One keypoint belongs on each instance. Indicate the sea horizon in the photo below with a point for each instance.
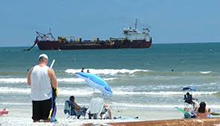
(159, 43)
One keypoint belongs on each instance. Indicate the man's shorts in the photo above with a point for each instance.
(41, 109)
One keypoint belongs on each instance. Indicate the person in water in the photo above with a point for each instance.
(189, 99)
(202, 111)
(82, 70)
(88, 71)
(41, 78)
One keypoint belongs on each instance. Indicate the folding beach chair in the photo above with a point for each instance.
(95, 107)
(71, 112)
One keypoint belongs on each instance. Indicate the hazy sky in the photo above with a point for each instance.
(170, 21)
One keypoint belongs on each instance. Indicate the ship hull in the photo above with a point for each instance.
(56, 45)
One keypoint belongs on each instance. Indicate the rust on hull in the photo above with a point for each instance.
(57, 45)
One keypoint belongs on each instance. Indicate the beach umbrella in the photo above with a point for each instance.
(95, 82)
(189, 88)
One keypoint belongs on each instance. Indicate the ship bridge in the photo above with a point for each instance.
(134, 34)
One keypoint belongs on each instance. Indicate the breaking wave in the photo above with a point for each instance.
(205, 72)
(142, 72)
(132, 105)
(109, 71)
(88, 91)
(161, 93)
(24, 80)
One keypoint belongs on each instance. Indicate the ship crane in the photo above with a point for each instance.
(43, 36)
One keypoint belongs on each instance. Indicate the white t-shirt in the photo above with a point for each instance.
(40, 84)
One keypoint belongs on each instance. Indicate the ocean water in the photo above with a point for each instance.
(139, 78)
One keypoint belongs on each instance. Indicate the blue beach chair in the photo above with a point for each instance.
(69, 109)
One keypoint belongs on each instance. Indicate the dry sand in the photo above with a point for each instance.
(20, 115)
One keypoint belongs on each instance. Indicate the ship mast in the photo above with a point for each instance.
(135, 25)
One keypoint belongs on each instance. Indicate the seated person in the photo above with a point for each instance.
(202, 111)
(209, 113)
(97, 107)
(189, 113)
(72, 108)
(106, 112)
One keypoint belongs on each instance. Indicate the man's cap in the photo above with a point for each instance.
(43, 56)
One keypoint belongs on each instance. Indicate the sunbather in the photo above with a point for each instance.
(106, 112)
(73, 109)
(202, 111)
(97, 108)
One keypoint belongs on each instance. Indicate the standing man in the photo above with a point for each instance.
(42, 79)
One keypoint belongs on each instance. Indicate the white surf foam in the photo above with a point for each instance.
(108, 71)
(85, 91)
(15, 103)
(160, 93)
(11, 90)
(78, 79)
(154, 105)
(13, 80)
(76, 92)
(144, 105)
(205, 72)
(65, 92)
(67, 80)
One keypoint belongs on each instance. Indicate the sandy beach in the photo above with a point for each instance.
(21, 115)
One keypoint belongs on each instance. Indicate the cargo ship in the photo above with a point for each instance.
(133, 38)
